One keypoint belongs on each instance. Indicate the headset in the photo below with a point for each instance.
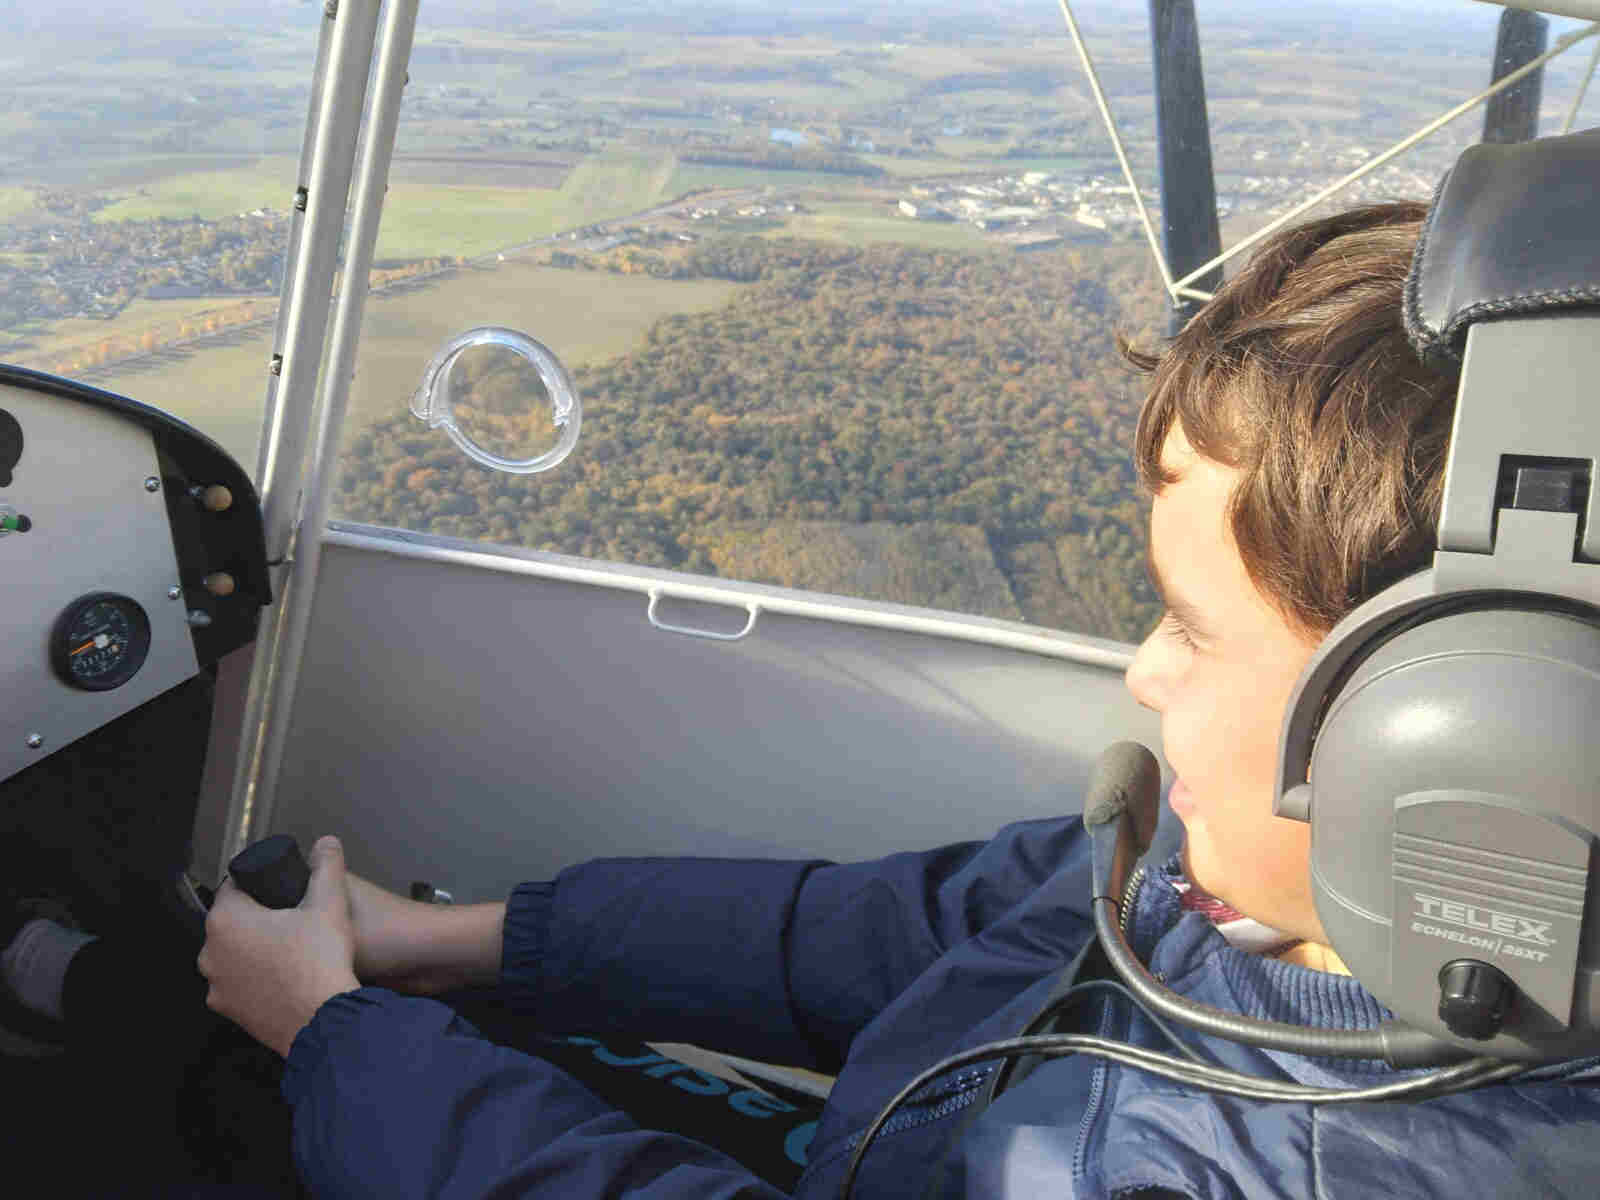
(1448, 721)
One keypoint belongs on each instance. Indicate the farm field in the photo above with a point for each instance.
(140, 316)
(210, 194)
(479, 170)
(13, 201)
(422, 220)
(124, 173)
(584, 317)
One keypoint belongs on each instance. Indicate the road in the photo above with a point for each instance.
(722, 198)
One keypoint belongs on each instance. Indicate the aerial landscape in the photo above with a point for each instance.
(839, 289)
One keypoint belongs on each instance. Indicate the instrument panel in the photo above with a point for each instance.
(132, 553)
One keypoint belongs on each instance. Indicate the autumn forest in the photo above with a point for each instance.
(950, 430)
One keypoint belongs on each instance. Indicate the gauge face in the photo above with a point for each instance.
(100, 641)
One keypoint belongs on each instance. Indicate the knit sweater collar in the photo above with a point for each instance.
(1262, 986)
(1193, 953)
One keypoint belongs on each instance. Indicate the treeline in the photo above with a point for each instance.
(229, 315)
(65, 202)
(119, 346)
(738, 259)
(919, 427)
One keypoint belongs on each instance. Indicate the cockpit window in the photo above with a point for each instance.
(837, 288)
(147, 171)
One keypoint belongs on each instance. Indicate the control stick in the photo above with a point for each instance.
(272, 872)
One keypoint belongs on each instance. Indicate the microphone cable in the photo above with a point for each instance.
(1119, 815)
(1111, 985)
(1474, 1072)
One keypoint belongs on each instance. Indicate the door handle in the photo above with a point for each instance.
(750, 606)
(428, 894)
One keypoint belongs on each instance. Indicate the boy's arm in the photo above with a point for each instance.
(397, 1096)
(449, 947)
(772, 960)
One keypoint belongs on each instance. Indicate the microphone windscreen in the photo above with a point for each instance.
(1127, 778)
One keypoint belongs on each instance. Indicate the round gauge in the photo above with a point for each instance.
(100, 641)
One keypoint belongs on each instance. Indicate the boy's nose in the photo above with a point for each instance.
(1141, 679)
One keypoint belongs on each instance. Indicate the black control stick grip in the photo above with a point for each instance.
(272, 872)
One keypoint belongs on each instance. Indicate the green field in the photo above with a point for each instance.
(421, 220)
(583, 316)
(615, 184)
(14, 201)
(210, 195)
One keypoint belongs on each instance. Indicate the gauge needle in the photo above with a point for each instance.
(100, 640)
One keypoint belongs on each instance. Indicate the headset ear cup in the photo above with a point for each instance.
(1340, 653)
(1294, 804)
(1455, 810)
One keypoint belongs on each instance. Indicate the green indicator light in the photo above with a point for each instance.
(17, 524)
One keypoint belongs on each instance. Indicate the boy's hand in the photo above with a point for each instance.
(271, 969)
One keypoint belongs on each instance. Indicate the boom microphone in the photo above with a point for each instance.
(1126, 779)
(1120, 814)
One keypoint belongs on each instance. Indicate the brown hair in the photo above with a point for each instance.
(1298, 374)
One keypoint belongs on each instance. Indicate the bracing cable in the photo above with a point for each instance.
(1583, 88)
(1184, 286)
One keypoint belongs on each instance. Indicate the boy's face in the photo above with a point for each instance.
(1222, 702)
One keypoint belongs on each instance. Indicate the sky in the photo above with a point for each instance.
(225, 12)
(1472, 20)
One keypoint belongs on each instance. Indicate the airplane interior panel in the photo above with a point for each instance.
(459, 709)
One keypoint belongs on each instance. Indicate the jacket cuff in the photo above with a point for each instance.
(524, 940)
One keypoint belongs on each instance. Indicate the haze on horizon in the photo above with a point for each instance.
(37, 15)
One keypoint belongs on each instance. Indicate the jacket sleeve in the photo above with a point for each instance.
(397, 1096)
(778, 961)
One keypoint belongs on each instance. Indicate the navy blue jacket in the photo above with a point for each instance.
(875, 971)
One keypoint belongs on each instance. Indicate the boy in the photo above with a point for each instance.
(1296, 450)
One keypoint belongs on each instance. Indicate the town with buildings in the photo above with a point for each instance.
(1051, 205)
(1038, 209)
